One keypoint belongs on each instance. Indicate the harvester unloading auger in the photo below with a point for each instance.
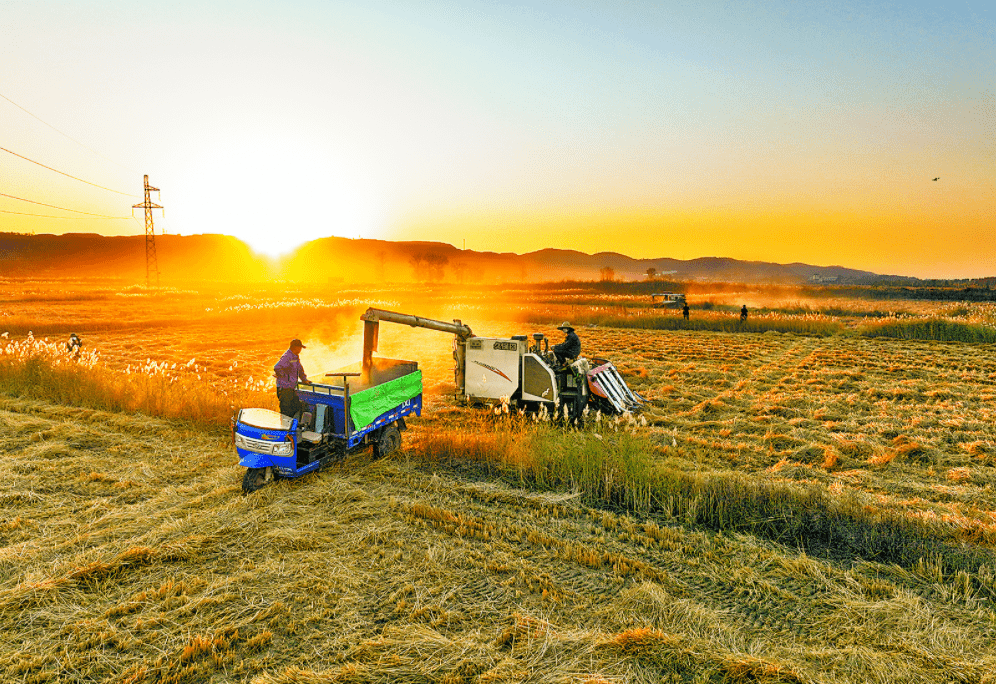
(528, 376)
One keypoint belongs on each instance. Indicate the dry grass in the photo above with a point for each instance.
(392, 571)
(492, 549)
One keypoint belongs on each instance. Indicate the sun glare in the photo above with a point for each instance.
(274, 197)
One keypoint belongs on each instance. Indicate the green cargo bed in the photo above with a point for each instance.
(367, 404)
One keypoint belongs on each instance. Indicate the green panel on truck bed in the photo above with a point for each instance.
(366, 405)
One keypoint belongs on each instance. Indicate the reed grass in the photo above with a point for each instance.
(611, 463)
(652, 320)
(45, 371)
(937, 329)
(788, 320)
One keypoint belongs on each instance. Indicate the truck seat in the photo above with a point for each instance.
(305, 428)
(313, 437)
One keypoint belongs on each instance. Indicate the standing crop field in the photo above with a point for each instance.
(787, 508)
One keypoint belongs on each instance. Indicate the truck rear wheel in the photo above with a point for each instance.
(388, 442)
(254, 479)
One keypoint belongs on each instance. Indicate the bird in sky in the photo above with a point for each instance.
(937, 178)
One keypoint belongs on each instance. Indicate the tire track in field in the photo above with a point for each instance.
(787, 377)
(534, 544)
(761, 380)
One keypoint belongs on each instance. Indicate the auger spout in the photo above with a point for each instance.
(371, 333)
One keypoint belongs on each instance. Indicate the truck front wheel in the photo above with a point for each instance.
(388, 442)
(254, 479)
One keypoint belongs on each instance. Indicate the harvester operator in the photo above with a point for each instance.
(570, 348)
(288, 371)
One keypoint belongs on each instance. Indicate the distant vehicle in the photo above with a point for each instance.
(668, 300)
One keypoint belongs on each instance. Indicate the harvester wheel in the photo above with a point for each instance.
(254, 479)
(388, 442)
(577, 413)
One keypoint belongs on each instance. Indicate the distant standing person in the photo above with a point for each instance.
(288, 371)
(684, 311)
(743, 313)
(74, 346)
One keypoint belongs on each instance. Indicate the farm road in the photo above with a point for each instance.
(127, 553)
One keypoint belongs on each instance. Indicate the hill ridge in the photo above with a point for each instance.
(216, 256)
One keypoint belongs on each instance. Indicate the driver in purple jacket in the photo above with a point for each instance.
(288, 371)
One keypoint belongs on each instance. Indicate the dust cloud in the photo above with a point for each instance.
(337, 344)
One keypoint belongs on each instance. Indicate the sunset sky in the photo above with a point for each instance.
(775, 131)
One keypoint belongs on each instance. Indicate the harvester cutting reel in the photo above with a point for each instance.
(608, 389)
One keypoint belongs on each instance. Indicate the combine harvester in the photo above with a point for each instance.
(527, 375)
(369, 408)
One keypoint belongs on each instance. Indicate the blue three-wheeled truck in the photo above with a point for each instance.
(351, 412)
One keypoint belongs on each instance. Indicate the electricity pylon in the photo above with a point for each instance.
(150, 236)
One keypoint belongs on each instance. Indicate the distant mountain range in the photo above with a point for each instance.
(333, 260)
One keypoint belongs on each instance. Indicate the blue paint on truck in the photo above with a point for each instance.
(271, 445)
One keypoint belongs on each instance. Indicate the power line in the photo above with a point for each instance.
(66, 134)
(171, 228)
(127, 194)
(77, 218)
(52, 206)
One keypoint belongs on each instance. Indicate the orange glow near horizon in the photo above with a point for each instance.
(887, 242)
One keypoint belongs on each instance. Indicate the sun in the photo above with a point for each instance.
(274, 196)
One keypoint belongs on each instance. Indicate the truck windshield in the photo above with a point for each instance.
(265, 419)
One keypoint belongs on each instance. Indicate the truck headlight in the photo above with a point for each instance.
(240, 441)
(283, 449)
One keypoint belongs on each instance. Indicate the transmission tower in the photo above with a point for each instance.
(151, 265)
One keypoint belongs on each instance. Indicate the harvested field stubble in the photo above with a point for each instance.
(494, 548)
(392, 571)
